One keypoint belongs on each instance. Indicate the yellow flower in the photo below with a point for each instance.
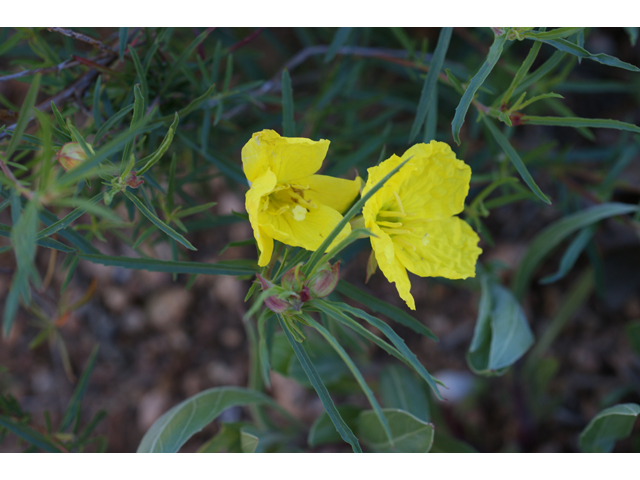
(286, 201)
(412, 216)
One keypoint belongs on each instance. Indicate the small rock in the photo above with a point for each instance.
(42, 380)
(229, 291)
(231, 337)
(168, 308)
(222, 374)
(150, 407)
(116, 299)
(133, 321)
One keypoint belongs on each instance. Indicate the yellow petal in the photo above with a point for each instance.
(389, 264)
(443, 248)
(336, 193)
(308, 232)
(438, 184)
(288, 158)
(261, 187)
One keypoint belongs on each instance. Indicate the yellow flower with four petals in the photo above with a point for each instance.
(287, 201)
(412, 216)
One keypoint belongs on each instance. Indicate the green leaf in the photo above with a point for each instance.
(67, 220)
(102, 131)
(553, 235)
(141, 74)
(570, 256)
(96, 102)
(607, 427)
(633, 34)
(566, 46)
(5, 231)
(73, 409)
(176, 65)
(23, 117)
(410, 434)
(502, 334)
(27, 434)
(128, 159)
(339, 39)
(154, 265)
(475, 83)
(227, 440)
(323, 431)
(522, 72)
(426, 97)
(354, 370)
(123, 34)
(288, 123)
(555, 33)
(343, 429)
(162, 149)
(179, 424)
(380, 306)
(577, 122)
(394, 338)
(248, 442)
(515, 159)
(157, 222)
(401, 389)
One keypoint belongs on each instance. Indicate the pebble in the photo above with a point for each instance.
(168, 309)
(150, 407)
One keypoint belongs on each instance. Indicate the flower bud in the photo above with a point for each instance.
(293, 279)
(132, 180)
(273, 303)
(324, 281)
(70, 155)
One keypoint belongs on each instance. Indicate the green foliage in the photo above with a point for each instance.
(607, 427)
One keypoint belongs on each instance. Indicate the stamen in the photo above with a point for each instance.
(395, 194)
(396, 231)
(281, 210)
(389, 224)
(391, 213)
(404, 244)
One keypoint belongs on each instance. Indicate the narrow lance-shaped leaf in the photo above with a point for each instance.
(550, 237)
(569, 47)
(154, 265)
(23, 117)
(577, 122)
(515, 159)
(475, 83)
(159, 223)
(288, 123)
(426, 97)
(608, 426)
(354, 370)
(151, 160)
(343, 429)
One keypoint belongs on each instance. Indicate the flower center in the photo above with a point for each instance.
(394, 220)
(288, 199)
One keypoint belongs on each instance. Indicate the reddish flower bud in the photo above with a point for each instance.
(70, 155)
(324, 281)
(293, 279)
(273, 303)
(132, 180)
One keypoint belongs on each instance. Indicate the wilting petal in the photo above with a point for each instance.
(336, 193)
(261, 187)
(443, 248)
(288, 158)
(308, 232)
